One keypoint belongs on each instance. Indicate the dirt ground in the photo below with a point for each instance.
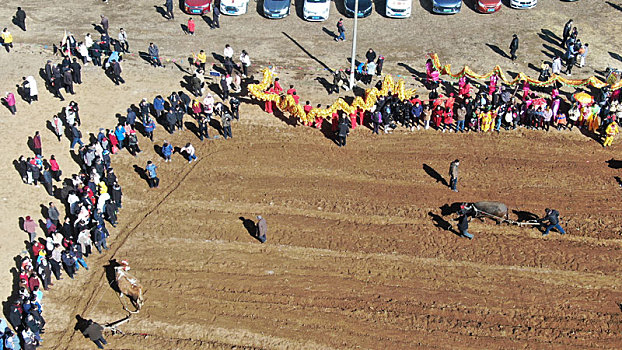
(359, 254)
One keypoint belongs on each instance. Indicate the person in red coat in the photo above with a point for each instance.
(277, 86)
(307, 108)
(319, 120)
(335, 121)
(437, 116)
(448, 119)
(191, 26)
(269, 103)
(36, 143)
(353, 119)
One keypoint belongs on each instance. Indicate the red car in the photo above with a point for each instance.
(197, 7)
(488, 6)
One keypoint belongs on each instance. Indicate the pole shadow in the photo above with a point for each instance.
(615, 6)
(307, 52)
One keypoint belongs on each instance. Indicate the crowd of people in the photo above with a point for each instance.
(60, 244)
(93, 197)
(470, 106)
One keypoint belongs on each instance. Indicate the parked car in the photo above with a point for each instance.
(398, 8)
(276, 8)
(316, 10)
(233, 7)
(197, 7)
(523, 4)
(446, 7)
(365, 7)
(488, 6)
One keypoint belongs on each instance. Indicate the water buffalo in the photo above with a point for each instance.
(494, 210)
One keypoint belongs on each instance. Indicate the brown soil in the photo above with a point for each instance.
(358, 252)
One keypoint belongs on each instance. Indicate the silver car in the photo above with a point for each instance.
(276, 8)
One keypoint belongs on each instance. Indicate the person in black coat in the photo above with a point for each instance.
(370, 55)
(215, 17)
(117, 195)
(68, 81)
(57, 82)
(96, 54)
(342, 133)
(48, 72)
(76, 71)
(463, 226)
(116, 73)
(171, 120)
(111, 214)
(15, 314)
(224, 87)
(513, 47)
(20, 18)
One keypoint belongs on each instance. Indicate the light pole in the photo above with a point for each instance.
(356, 16)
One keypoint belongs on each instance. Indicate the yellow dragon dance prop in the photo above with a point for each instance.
(466, 71)
(286, 103)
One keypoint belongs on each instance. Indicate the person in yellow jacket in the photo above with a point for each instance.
(611, 131)
(200, 59)
(7, 39)
(487, 121)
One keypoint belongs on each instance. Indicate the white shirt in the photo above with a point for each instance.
(88, 41)
(122, 36)
(245, 59)
(557, 66)
(228, 52)
(32, 84)
(208, 103)
(189, 149)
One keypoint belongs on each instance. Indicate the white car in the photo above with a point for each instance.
(316, 10)
(233, 7)
(398, 8)
(523, 4)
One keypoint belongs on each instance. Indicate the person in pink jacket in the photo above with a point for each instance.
(9, 99)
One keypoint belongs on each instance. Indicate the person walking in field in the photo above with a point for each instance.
(552, 216)
(20, 18)
(261, 229)
(167, 151)
(341, 30)
(7, 39)
(169, 9)
(453, 175)
(463, 226)
(191, 26)
(9, 99)
(612, 130)
(514, 47)
(152, 176)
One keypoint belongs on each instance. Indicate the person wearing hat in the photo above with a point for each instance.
(552, 216)
(262, 229)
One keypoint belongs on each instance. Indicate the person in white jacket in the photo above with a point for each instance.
(31, 84)
(246, 62)
(557, 65)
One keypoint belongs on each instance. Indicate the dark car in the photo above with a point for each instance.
(276, 8)
(365, 7)
(447, 7)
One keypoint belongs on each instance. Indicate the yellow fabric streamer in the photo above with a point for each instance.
(286, 103)
(592, 81)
